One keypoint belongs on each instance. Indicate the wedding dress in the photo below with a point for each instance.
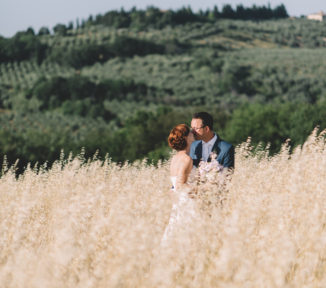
(183, 213)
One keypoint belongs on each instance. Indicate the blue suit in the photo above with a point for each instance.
(223, 149)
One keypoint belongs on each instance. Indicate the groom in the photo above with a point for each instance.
(208, 141)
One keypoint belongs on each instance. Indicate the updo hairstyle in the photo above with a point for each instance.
(178, 137)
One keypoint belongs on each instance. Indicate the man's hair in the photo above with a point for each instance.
(205, 117)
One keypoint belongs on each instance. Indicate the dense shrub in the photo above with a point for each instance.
(23, 46)
(87, 54)
(275, 123)
(80, 96)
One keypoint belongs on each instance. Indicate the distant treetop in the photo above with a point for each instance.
(155, 17)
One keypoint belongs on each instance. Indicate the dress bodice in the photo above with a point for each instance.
(183, 212)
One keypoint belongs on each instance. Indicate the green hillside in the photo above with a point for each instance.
(118, 83)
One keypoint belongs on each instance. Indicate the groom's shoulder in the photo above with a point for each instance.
(195, 143)
(193, 147)
(224, 145)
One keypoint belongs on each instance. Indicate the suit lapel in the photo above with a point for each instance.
(199, 151)
(197, 154)
(215, 148)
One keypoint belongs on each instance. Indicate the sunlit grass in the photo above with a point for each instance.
(97, 224)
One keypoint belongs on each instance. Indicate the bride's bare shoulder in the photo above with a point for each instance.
(181, 160)
(187, 159)
(186, 162)
(182, 157)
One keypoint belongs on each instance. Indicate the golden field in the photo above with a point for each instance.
(98, 224)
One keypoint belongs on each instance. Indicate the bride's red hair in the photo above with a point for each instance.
(178, 137)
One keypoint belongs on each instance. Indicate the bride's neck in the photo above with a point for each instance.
(185, 151)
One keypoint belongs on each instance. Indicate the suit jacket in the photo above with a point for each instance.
(223, 149)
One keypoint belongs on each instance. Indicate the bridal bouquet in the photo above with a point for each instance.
(208, 171)
(210, 183)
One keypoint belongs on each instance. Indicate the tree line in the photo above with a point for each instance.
(157, 18)
(144, 135)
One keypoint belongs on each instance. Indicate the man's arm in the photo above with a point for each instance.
(229, 158)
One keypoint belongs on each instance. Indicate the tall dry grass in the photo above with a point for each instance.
(97, 224)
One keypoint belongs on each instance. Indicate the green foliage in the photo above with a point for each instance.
(103, 88)
(235, 78)
(79, 95)
(80, 56)
(156, 18)
(44, 31)
(258, 121)
(60, 29)
(88, 54)
(40, 137)
(24, 45)
(274, 124)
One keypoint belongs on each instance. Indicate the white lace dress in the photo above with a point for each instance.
(183, 213)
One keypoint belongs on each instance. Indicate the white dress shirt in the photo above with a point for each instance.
(207, 147)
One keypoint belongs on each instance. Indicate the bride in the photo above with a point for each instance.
(184, 207)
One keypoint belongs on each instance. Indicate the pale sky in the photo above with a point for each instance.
(18, 15)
